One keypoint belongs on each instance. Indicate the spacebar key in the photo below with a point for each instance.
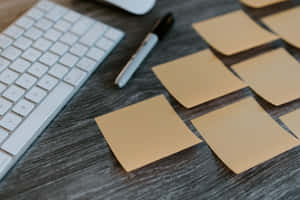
(23, 136)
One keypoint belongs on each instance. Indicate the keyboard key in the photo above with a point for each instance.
(79, 50)
(45, 5)
(87, 64)
(11, 53)
(20, 65)
(23, 43)
(82, 26)
(49, 59)
(26, 81)
(113, 34)
(59, 71)
(31, 54)
(53, 35)
(19, 141)
(14, 93)
(72, 16)
(75, 77)
(35, 14)
(36, 94)
(10, 121)
(4, 106)
(105, 44)
(5, 41)
(5, 161)
(14, 31)
(23, 107)
(38, 69)
(3, 64)
(56, 13)
(8, 76)
(96, 53)
(69, 38)
(59, 48)
(47, 82)
(33, 33)
(62, 26)
(44, 24)
(2, 87)
(93, 34)
(25, 22)
(3, 136)
(69, 60)
(42, 44)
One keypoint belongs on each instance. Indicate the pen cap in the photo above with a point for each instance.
(164, 25)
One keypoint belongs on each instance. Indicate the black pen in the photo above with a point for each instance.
(160, 29)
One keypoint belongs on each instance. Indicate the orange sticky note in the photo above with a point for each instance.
(273, 75)
(233, 33)
(286, 24)
(197, 78)
(260, 3)
(145, 132)
(243, 135)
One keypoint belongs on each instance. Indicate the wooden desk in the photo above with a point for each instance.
(71, 160)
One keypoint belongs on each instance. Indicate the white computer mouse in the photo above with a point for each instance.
(137, 7)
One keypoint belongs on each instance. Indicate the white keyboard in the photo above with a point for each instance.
(45, 56)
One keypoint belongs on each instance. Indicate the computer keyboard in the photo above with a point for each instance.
(45, 57)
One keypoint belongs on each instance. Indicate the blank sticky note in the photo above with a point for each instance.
(286, 24)
(197, 78)
(292, 121)
(273, 75)
(233, 33)
(145, 132)
(260, 3)
(243, 135)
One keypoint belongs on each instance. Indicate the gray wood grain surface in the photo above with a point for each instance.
(71, 159)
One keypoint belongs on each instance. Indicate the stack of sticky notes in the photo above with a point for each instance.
(242, 134)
